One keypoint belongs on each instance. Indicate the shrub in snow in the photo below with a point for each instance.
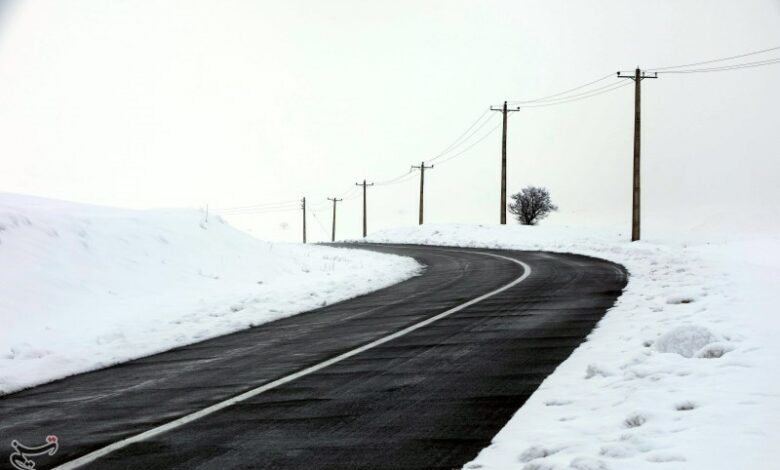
(588, 463)
(618, 451)
(635, 420)
(685, 340)
(535, 452)
(531, 205)
(26, 351)
(679, 299)
(714, 350)
(685, 406)
(594, 370)
(664, 457)
(539, 466)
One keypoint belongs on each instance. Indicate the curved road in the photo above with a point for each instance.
(405, 377)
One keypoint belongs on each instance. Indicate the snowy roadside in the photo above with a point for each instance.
(84, 287)
(681, 373)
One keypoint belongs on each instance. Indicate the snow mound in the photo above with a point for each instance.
(686, 340)
(588, 463)
(83, 287)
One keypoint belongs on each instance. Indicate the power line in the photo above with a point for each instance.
(474, 144)
(723, 59)
(353, 197)
(472, 134)
(320, 224)
(262, 211)
(544, 98)
(724, 68)
(258, 205)
(613, 87)
(569, 97)
(471, 131)
(322, 205)
(460, 139)
(561, 94)
(471, 137)
(398, 179)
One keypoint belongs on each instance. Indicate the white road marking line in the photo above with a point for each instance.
(92, 456)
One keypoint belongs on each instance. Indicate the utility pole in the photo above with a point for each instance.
(303, 206)
(422, 169)
(333, 234)
(505, 112)
(364, 184)
(637, 77)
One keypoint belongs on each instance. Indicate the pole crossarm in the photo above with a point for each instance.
(501, 108)
(642, 75)
(422, 167)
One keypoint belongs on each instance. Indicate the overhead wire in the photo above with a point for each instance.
(458, 141)
(472, 134)
(261, 211)
(568, 97)
(319, 223)
(724, 68)
(611, 88)
(520, 102)
(467, 136)
(477, 142)
(398, 179)
(712, 61)
(258, 206)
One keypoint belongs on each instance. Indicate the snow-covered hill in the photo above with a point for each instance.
(82, 287)
(681, 374)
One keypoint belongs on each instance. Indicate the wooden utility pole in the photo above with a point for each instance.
(365, 225)
(303, 206)
(505, 112)
(422, 169)
(333, 234)
(637, 77)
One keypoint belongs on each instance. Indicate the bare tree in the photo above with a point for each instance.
(531, 205)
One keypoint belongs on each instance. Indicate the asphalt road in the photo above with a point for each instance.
(431, 398)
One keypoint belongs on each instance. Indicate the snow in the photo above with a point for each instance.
(84, 287)
(680, 374)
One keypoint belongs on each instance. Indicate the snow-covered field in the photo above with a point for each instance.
(681, 374)
(83, 287)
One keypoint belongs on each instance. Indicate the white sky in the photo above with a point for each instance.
(183, 103)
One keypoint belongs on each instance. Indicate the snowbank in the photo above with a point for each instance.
(83, 287)
(681, 374)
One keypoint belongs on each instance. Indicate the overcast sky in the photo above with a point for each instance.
(149, 104)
